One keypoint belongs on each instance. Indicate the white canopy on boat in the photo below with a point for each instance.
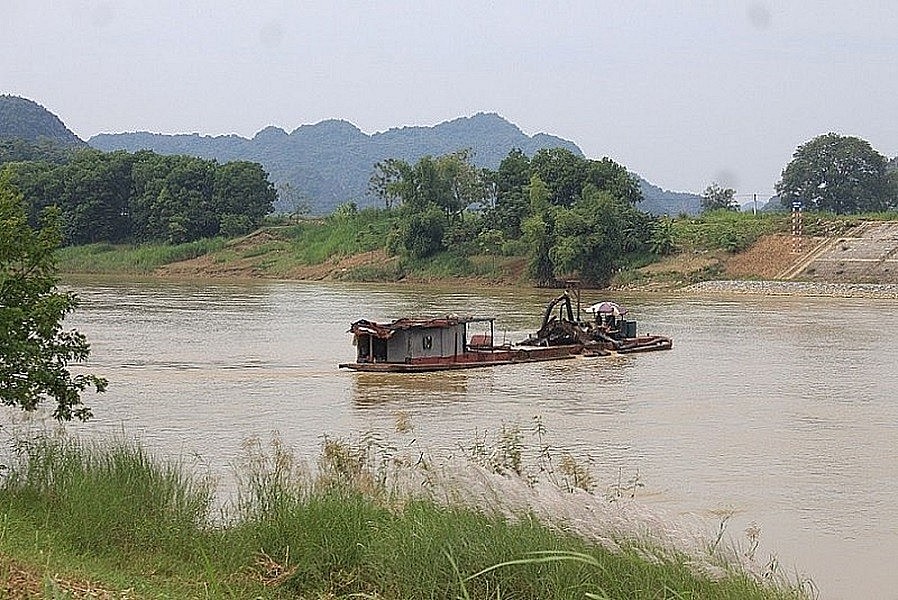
(607, 308)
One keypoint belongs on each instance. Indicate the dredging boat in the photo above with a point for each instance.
(412, 345)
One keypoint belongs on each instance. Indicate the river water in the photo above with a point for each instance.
(781, 411)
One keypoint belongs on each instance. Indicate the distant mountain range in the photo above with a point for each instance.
(330, 162)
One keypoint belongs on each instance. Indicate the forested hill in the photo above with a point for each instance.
(23, 119)
(330, 162)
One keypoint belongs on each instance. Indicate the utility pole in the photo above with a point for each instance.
(796, 226)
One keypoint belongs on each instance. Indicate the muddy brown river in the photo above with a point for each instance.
(783, 412)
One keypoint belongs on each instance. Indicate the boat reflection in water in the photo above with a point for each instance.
(370, 389)
(411, 345)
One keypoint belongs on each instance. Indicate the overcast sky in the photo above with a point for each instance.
(682, 93)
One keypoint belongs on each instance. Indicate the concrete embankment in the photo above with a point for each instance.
(796, 288)
(866, 254)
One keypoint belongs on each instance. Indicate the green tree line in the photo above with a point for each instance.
(571, 216)
(123, 197)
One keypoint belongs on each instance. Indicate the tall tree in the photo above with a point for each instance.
(95, 198)
(512, 202)
(446, 184)
(241, 197)
(39, 183)
(892, 171)
(116, 197)
(35, 351)
(189, 183)
(606, 175)
(566, 175)
(390, 180)
(593, 236)
(539, 232)
(842, 174)
(718, 198)
(562, 171)
(464, 183)
(421, 232)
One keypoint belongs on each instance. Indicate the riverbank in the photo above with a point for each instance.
(357, 248)
(842, 251)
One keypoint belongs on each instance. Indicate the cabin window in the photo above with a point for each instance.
(427, 342)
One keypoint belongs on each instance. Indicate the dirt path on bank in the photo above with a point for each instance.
(768, 257)
(764, 259)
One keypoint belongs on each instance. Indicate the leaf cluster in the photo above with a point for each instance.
(35, 350)
(576, 215)
(42, 150)
(432, 196)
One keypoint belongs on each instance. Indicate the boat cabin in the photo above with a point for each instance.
(406, 340)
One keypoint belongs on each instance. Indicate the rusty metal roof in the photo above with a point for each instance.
(386, 330)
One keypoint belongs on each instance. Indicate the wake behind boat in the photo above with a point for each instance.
(447, 343)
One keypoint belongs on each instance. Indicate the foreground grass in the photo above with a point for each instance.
(112, 519)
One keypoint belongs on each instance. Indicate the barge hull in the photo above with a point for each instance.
(471, 360)
(508, 356)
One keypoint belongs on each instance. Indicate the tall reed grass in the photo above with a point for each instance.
(139, 259)
(365, 522)
(112, 498)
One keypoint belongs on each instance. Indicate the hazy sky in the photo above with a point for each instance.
(684, 93)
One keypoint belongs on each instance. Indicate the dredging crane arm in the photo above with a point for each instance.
(566, 298)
